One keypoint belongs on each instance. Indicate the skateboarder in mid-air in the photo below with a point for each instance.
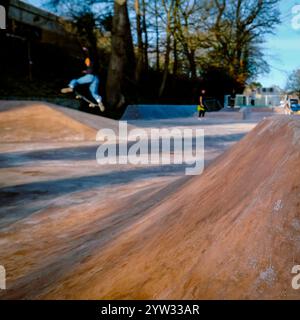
(89, 78)
(201, 106)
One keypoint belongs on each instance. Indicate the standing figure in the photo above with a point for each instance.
(253, 97)
(201, 106)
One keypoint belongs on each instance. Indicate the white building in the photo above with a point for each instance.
(264, 98)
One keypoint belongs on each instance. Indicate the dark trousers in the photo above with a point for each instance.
(201, 114)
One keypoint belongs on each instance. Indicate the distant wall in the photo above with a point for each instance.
(30, 15)
(26, 20)
(37, 46)
(2, 17)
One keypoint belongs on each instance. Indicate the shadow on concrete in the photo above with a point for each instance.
(88, 153)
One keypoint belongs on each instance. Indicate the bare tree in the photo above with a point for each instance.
(87, 18)
(145, 32)
(169, 6)
(189, 27)
(236, 33)
(157, 35)
(293, 83)
(122, 61)
(140, 45)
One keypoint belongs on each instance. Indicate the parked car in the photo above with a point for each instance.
(294, 105)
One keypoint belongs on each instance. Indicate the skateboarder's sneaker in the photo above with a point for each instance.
(101, 106)
(67, 90)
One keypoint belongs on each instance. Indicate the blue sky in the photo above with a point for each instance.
(282, 49)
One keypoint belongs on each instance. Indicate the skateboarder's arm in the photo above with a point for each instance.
(201, 101)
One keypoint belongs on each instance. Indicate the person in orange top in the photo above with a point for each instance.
(88, 78)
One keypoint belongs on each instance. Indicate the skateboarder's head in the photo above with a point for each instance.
(87, 62)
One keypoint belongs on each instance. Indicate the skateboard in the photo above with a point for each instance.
(90, 103)
(80, 96)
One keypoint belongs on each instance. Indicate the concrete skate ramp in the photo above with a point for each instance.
(232, 233)
(277, 110)
(151, 112)
(157, 112)
(258, 114)
(35, 121)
